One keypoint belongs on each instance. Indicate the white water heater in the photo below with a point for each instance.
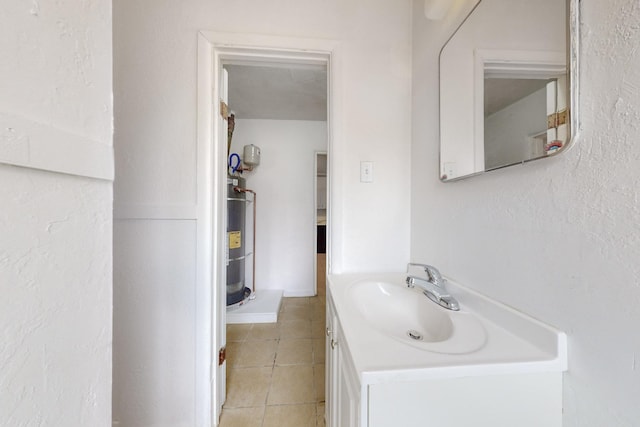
(251, 155)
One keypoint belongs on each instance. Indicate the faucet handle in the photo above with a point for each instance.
(414, 264)
(434, 275)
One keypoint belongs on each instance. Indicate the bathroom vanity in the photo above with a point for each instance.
(395, 358)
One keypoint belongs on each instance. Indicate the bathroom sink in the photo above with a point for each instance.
(408, 316)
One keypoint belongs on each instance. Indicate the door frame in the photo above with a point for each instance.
(214, 49)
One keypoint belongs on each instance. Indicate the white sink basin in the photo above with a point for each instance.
(408, 316)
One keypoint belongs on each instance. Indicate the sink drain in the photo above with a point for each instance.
(414, 335)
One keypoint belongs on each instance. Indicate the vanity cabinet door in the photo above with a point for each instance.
(341, 391)
(331, 371)
(348, 392)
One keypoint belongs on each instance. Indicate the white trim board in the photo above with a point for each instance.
(29, 144)
(166, 212)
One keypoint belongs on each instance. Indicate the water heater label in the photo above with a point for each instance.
(235, 239)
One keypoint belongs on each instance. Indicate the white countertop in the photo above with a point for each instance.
(515, 343)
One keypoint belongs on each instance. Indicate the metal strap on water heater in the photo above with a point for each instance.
(240, 258)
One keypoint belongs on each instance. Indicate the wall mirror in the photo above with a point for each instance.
(508, 86)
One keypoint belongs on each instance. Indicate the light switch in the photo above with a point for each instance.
(449, 169)
(366, 171)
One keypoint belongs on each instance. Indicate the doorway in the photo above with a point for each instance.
(279, 110)
(215, 49)
(321, 222)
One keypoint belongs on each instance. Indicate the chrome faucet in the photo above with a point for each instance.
(434, 286)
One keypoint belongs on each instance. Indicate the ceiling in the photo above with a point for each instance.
(278, 91)
(500, 93)
(275, 91)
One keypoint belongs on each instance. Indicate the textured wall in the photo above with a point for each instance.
(56, 65)
(55, 310)
(558, 239)
(55, 228)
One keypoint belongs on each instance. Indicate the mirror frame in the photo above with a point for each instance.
(573, 78)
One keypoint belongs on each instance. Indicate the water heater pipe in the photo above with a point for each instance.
(244, 169)
(246, 190)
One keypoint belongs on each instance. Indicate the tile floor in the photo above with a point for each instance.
(275, 371)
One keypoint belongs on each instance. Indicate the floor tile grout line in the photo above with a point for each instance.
(313, 365)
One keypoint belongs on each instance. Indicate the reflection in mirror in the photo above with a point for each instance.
(518, 102)
(514, 109)
(504, 86)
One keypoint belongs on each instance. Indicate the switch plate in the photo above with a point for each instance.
(449, 169)
(366, 171)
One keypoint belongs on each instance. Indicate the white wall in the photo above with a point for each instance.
(558, 238)
(56, 168)
(507, 132)
(285, 217)
(154, 323)
(155, 117)
(155, 51)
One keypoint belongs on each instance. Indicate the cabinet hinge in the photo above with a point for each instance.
(222, 356)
